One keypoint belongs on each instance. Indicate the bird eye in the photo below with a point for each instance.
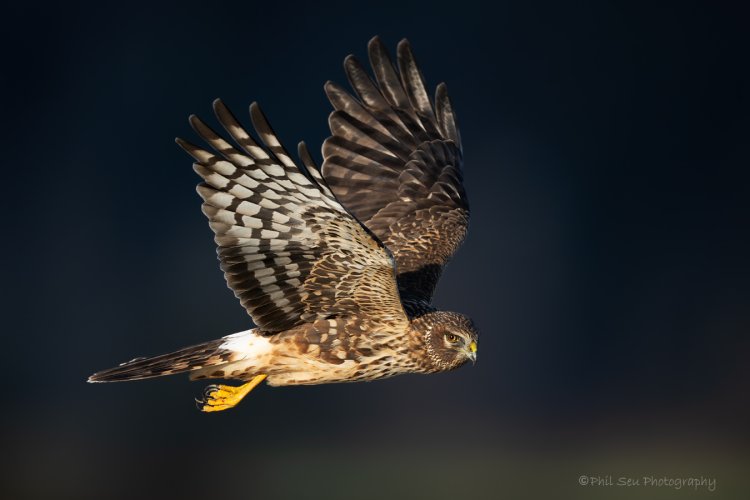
(451, 338)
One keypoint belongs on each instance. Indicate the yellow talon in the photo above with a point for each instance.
(223, 397)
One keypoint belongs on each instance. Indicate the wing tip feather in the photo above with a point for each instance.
(188, 147)
(404, 46)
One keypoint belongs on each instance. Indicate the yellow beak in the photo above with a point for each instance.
(472, 352)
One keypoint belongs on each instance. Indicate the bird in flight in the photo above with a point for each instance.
(336, 265)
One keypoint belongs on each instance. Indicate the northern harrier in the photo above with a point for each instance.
(336, 266)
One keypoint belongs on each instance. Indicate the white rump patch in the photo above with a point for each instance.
(247, 343)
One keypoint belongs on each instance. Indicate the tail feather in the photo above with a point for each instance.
(185, 360)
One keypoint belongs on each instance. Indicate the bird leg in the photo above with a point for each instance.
(223, 397)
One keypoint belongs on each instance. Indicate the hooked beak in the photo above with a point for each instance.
(471, 353)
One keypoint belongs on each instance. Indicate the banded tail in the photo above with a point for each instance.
(185, 360)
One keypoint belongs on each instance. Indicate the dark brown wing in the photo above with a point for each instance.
(288, 249)
(394, 161)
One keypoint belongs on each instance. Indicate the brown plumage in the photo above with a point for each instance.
(395, 164)
(336, 266)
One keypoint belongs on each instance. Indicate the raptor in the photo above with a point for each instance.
(336, 265)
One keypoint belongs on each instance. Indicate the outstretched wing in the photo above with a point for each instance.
(288, 249)
(394, 161)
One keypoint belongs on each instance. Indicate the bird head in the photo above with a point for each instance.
(450, 339)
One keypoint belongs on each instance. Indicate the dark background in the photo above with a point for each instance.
(606, 158)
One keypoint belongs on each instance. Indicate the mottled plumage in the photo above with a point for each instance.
(336, 266)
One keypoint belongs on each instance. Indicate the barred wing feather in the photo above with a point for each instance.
(394, 161)
(289, 251)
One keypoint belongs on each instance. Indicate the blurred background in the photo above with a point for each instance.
(606, 160)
